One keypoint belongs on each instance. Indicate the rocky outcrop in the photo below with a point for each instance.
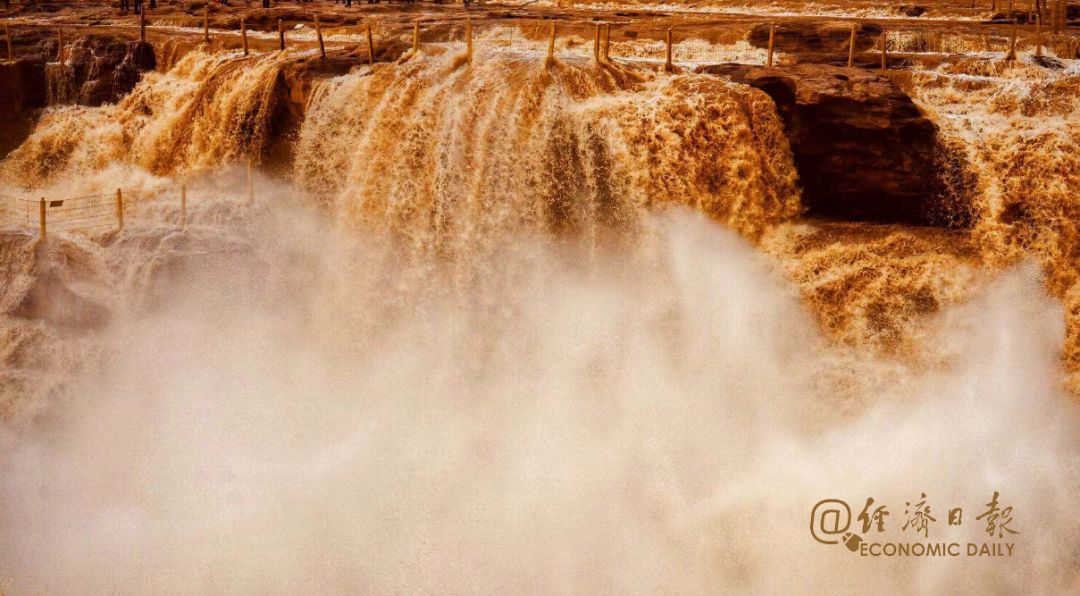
(292, 89)
(1023, 16)
(911, 10)
(22, 93)
(99, 69)
(42, 281)
(863, 149)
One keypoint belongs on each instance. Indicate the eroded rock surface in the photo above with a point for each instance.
(22, 93)
(864, 150)
(44, 282)
(99, 69)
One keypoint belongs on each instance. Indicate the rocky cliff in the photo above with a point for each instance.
(864, 150)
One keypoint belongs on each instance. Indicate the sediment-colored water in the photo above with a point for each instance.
(508, 328)
(207, 111)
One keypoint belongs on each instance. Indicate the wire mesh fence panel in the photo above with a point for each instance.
(80, 214)
(19, 212)
(88, 213)
(94, 214)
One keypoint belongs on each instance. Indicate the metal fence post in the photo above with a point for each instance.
(119, 209)
(1038, 36)
(884, 49)
(668, 66)
(318, 33)
(1011, 56)
(596, 44)
(468, 40)
(851, 49)
(551, 45)
(772, 39)
(607, 41)
(370, 46)
(42, 227)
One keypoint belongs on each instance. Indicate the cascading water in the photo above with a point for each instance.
(60, 83)
(1017, 126)
(448, 156)
(1022, 128)
(536, 346)
(207, 111)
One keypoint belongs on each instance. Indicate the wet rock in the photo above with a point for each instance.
(1048, 62)
(909, 10)
(41, 280)
(101, 69)
(50, 299)
(22, 94)
(863, 149)
(293, 89)
(1020, 16)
